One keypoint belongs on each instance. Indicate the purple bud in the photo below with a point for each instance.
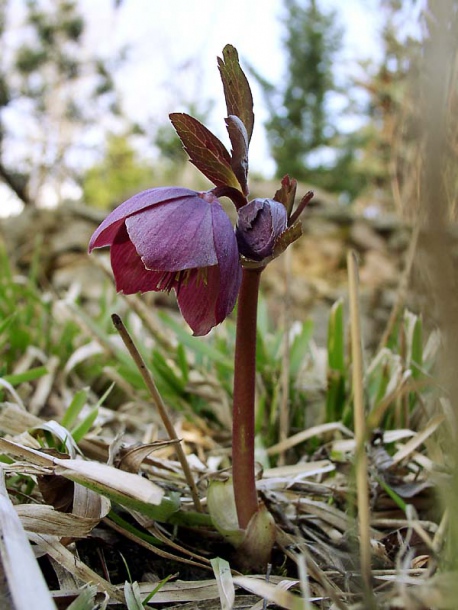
(259, 225)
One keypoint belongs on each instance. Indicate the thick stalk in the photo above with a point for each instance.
(243, 465)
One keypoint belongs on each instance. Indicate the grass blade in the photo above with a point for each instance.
(335, 398)
(25, 580)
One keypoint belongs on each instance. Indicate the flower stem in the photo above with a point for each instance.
(243, 466)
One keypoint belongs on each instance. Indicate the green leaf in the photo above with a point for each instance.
(226, 589)
(74, 409)
(263, 316)
(157, 588)
(83, 428)
(299, 348)
(162, 367)
(336, 343)
(116, 517)
(85, 600)
(237, 92)
(393, 495)
(199, 347)
(222, 509)
(29, 375)
(183, 363)
(205, 150)
(133, 596)
(262, 355)
(335, 397)
(6, 323)
(53, 430)
(414, 335)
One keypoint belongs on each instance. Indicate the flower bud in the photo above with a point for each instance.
(259, 225)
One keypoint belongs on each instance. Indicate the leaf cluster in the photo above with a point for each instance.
(205, 150)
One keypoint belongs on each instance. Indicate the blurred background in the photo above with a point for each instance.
(86, 89)
(341, 97)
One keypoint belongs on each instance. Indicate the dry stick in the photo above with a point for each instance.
(362, 484)
(147, 378)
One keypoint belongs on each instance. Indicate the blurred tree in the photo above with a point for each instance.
(302, 124)
(302, 130)
(118, 176)
(53, 95)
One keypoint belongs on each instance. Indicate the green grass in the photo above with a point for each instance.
(95, 375)
(34, 319)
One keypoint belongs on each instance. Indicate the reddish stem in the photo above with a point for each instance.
(243, 465)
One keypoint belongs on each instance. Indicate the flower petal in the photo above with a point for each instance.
(175, 236)
(228, 256)
(197, 300)
(105, 234)
(204, 304)
(129, 271)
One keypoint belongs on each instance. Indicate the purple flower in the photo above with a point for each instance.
(260, 223)
(172, 237)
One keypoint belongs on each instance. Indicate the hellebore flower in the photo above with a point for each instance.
(259, 225)
(173, 237)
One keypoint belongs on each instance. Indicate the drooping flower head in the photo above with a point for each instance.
(175, 238)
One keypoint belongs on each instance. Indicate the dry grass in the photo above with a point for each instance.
(325, 557)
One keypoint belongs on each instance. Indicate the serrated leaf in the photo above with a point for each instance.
(205, 150)
(237, 92)
(239, 140)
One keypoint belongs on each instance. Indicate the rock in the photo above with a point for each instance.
(364, 237)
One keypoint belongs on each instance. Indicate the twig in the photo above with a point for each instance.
(147, 378)
(362, 486)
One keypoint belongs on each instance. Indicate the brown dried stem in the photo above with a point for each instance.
(149, 381)
(362, 483)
